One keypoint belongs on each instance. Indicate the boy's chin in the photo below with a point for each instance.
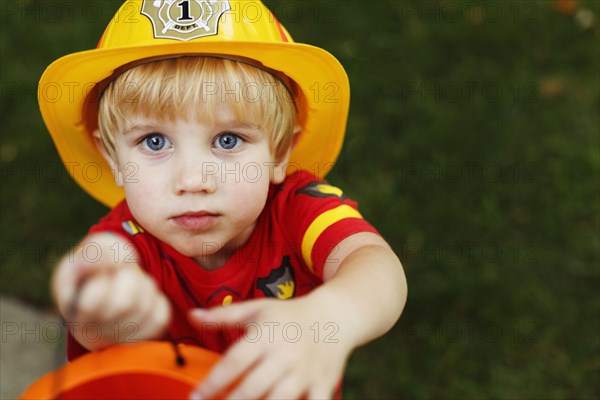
(198, 250)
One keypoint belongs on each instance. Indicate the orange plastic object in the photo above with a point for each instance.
(146, 370)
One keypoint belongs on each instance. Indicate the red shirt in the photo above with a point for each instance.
(302, 222)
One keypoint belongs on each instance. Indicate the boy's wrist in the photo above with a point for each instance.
(330, 310)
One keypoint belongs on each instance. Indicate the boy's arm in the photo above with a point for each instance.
(105, 297)
(365, 283)
(362, 297)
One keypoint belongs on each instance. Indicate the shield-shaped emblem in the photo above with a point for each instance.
(184, 19)
(280, 282)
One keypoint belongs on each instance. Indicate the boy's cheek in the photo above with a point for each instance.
(117, 174)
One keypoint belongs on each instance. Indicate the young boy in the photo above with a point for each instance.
(202, 123)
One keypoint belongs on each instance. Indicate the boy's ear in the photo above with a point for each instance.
(114, 165)
(279, 172)
(296, 134)
(280, 167)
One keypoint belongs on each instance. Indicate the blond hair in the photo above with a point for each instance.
(190, 87)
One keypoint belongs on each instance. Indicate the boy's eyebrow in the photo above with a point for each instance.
(227, 124)
(139, 127)
(238, 124)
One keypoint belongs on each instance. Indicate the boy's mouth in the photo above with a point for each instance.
(196, 220)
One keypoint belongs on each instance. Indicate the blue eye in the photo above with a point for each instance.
(227, 141)
(155, 142)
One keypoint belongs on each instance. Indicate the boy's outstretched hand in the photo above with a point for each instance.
(105, 297)
(291, 350)
(303, 343)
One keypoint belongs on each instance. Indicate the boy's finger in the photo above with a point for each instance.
(63, 285)
(322, 391)
(233, 314)
(70, 278)
(92, 296)
(259, 380)
(155, 322)
(232, 366)
(130, 292)
(288, 388)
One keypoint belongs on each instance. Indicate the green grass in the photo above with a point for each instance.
(472, 145)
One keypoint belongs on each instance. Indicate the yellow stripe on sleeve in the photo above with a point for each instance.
(321, 223)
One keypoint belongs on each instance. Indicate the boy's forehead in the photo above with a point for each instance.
(221, 115)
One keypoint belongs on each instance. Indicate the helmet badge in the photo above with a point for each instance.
(184, 19)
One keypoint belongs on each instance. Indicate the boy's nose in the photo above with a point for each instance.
(195, 176)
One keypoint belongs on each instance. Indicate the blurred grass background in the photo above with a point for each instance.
(473, 146)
